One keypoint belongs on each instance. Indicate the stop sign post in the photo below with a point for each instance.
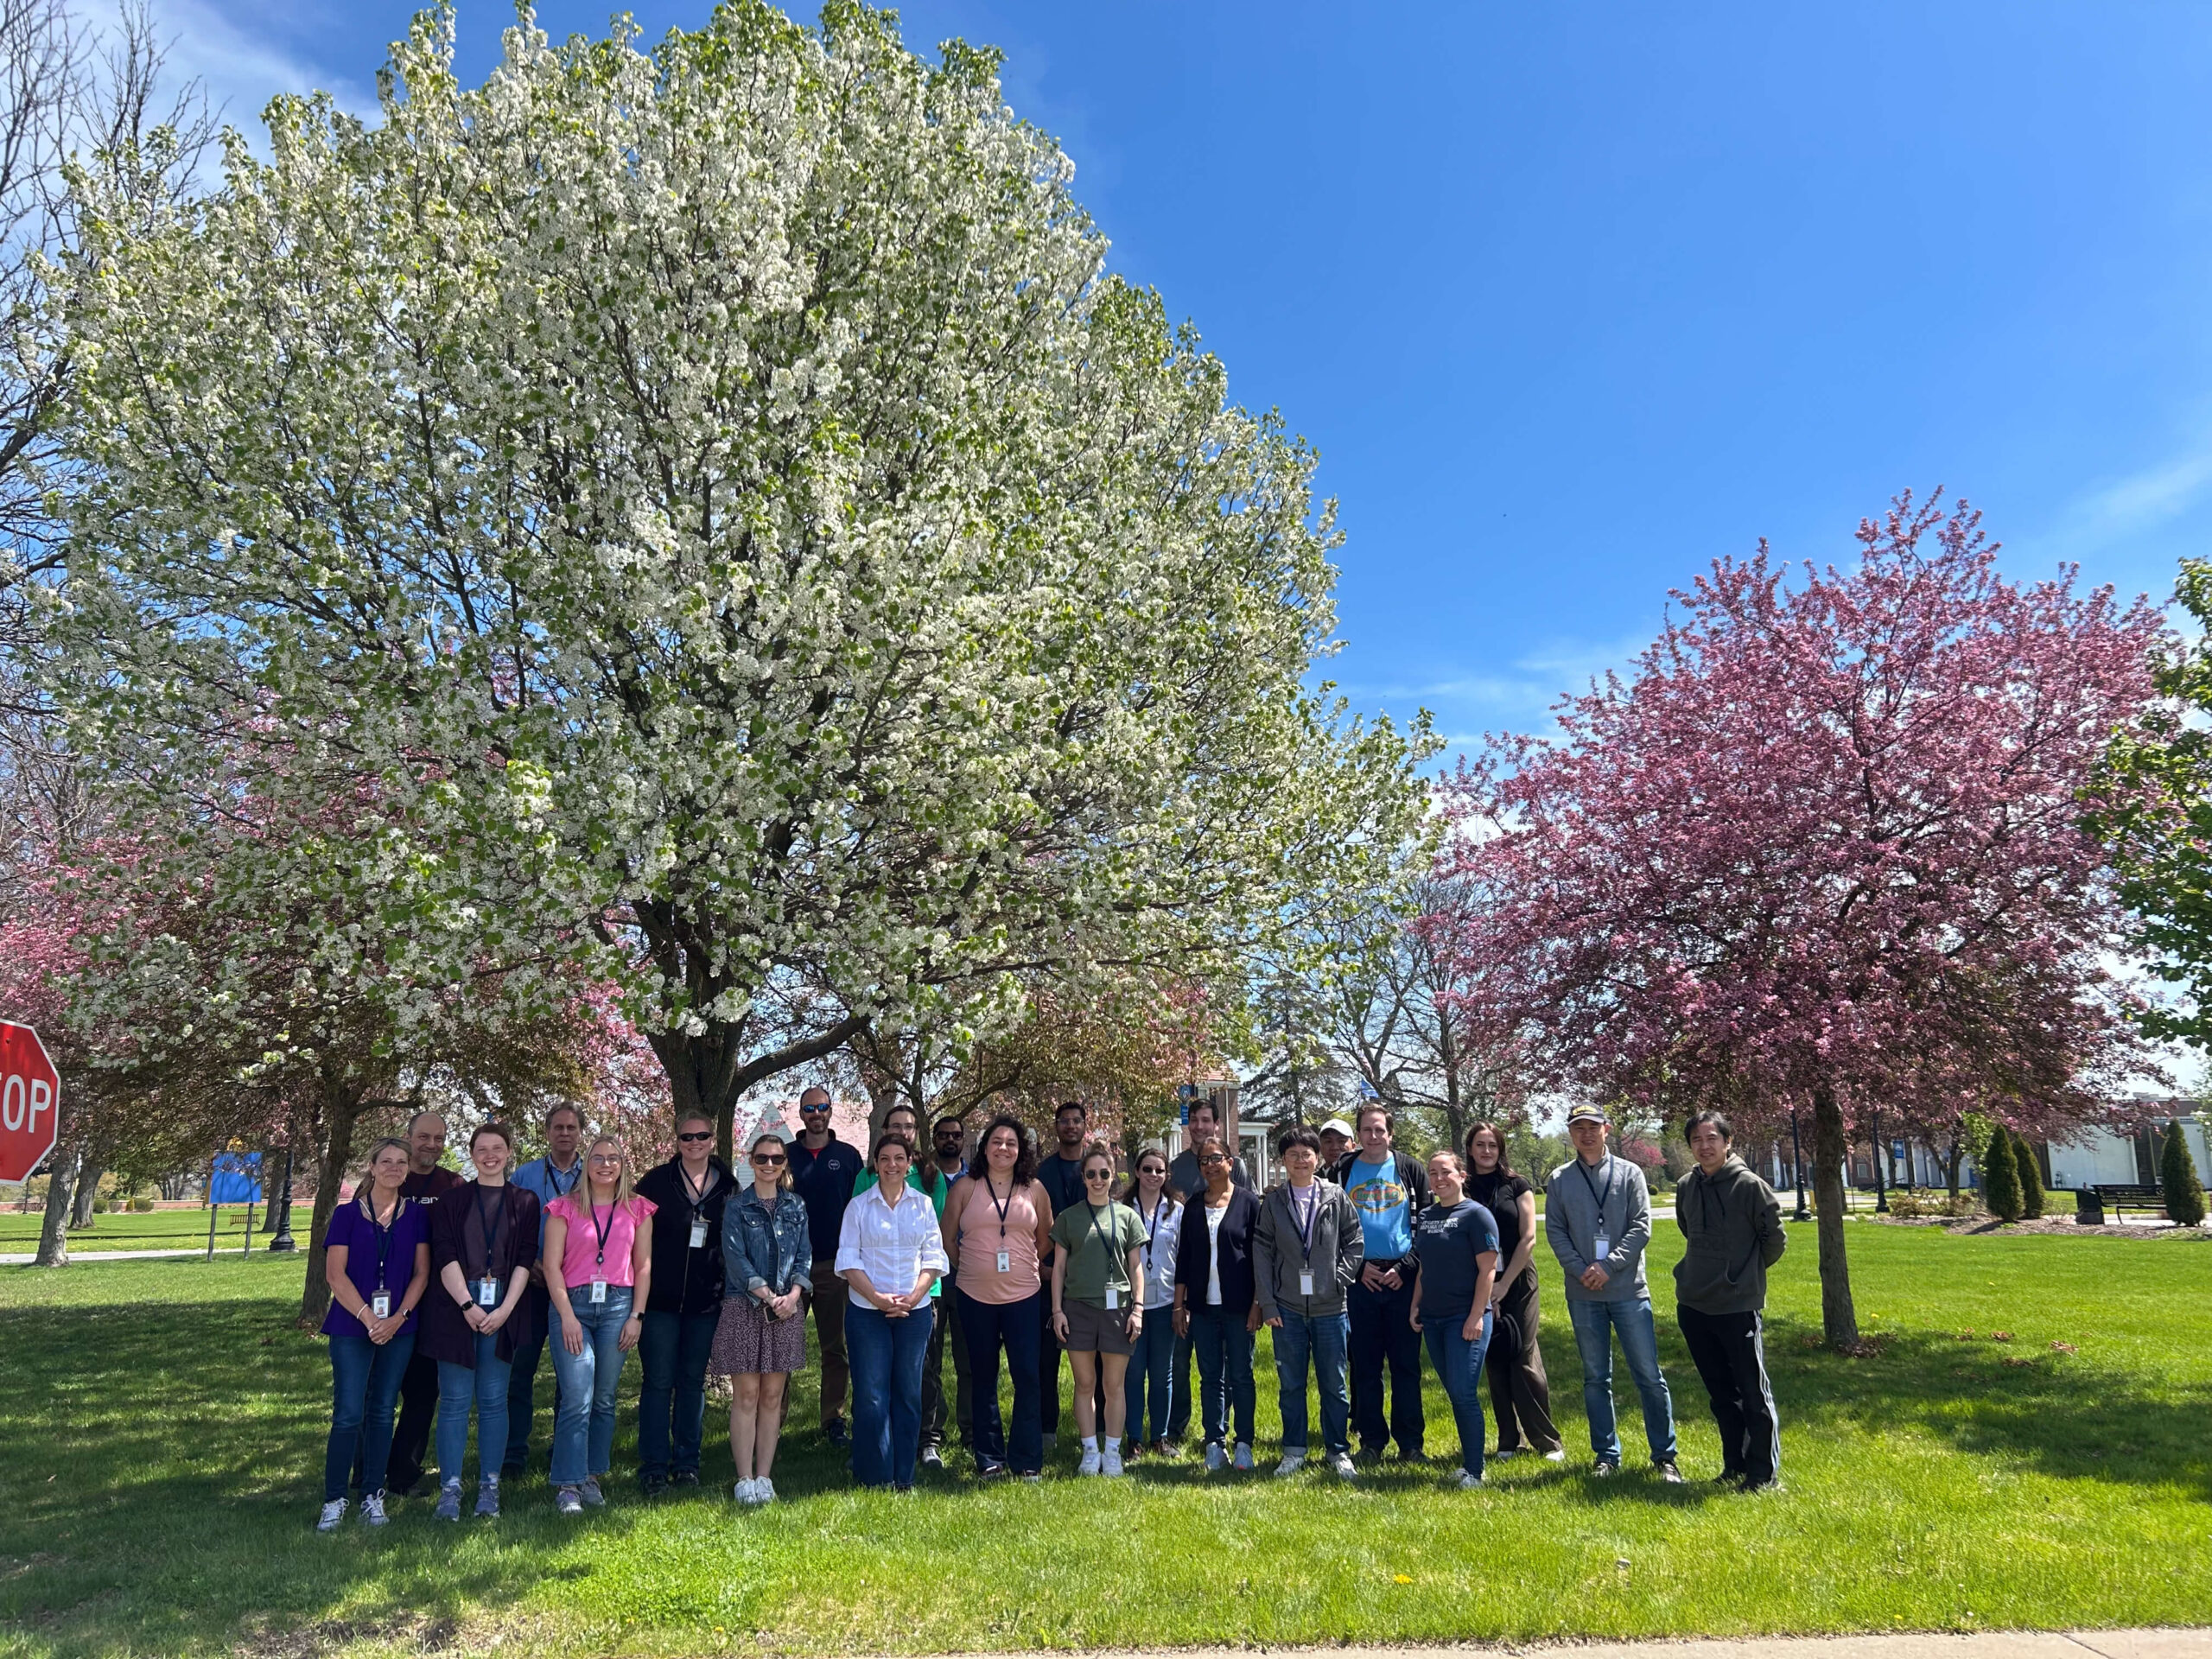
(30, 1101)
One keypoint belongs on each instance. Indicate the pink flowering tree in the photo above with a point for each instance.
(1823, 847)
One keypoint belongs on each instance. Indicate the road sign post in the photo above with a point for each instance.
(30, 1101)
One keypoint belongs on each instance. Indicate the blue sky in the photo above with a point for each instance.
(1574, 297)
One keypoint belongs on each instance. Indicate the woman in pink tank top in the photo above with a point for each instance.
(996, 1224)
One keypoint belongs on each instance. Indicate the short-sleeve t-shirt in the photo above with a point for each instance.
(1448, 1241)
(1385, 1206)
(584, 1258)
(1501, 1196)
(1097, 1242)
(366, 1246)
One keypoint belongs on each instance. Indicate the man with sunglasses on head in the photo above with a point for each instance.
(683, 1304)
(823, 1171)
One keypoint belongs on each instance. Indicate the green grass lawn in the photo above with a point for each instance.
(147, 1229)
(162, 1428)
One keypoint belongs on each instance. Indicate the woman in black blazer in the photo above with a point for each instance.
(1214, 1301)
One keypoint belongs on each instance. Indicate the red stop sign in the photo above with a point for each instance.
(30, 1101)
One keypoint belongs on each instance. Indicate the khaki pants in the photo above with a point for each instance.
(829, 1295)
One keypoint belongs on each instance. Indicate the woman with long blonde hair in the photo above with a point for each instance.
(599, 1267)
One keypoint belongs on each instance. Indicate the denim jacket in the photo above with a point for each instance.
(760, 1248)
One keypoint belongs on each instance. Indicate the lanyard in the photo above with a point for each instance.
(553, 1180)
(1305, 1229)
(602, 1232)
(383, 1234)
(995, 1204)
(1115, 1272)
(1601, 1198)
(1152, 1234)
(693, 1202)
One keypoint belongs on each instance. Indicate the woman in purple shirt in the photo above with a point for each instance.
(376, 1259)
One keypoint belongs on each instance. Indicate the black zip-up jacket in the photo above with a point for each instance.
(1194, 1252)
(1413, 1175)
(686, 1280)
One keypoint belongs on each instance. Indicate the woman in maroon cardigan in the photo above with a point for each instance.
(483, 1240)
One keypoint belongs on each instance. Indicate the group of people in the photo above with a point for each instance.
(447, 1293)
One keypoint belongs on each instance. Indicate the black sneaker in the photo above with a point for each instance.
(1668, 1473)
(684, 1478)
(834, 1431)
(1606, 1469)
(652, 1486)
(511, 1471)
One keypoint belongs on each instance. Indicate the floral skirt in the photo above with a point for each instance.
(747, 1340)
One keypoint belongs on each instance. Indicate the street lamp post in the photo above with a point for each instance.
(1881, 1185)
(283, 1241)
(1797, 1167)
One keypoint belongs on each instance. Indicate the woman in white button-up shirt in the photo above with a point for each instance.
(890, 1252)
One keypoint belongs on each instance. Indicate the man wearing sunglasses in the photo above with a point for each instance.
(823, 1171)
(683, 1307)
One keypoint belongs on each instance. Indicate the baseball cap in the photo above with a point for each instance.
(1337, 1126)
(1588, 1112)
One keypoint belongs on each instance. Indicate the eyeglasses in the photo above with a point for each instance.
(1213, 1158)
(767, 1157)
(707, 1136)
(607, 1157)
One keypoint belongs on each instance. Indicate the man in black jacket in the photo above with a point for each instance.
(689, 1193)
(1731, 1225)
(1387, 1189)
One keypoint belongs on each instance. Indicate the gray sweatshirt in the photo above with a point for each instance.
(1279, 1257)
(1572, 1222)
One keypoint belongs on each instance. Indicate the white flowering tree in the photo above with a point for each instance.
(716, 499)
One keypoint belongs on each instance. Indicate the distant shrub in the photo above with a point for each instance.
(2024, 1166)
(1914, 1206)
(100, 1206)
(141, 1205)
(2000, 1177)
(2185, 1193)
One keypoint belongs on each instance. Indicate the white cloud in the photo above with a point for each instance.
(242, 53)
(2144, 500)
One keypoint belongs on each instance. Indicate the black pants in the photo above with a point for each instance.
(418, 1414)
(1520, 1393)
(1729, 1352)
(1178, 1391)
(936, 1412)
(1381, 1335)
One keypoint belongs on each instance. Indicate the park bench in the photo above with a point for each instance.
(2089, 1202)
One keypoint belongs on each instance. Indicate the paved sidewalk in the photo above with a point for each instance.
(23, 1259)
(1989, 1644)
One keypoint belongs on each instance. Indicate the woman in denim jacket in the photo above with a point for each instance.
(767, 1262)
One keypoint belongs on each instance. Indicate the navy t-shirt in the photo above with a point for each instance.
(1447, 1242)
(366, 1245)
(824, 1181)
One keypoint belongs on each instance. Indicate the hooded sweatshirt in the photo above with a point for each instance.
(1732, 1222)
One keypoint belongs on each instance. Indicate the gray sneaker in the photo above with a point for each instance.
(1244, 1457)
(1341, 1463)
(487, 1497)
(449, 1501)
(332, 1513)
(591, 1494)
(372, 1513)
(1216, 1458)
(569, 1501)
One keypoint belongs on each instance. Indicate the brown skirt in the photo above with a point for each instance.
(747, 1340)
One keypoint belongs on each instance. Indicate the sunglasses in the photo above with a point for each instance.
(707, 1136)
(767, 1157)
(1097, 1175)
(812, 1112)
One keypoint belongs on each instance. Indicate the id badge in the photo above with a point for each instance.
(1306, 1282)
(598, 1290)
(488, 1292)
(1604, 1247)
(1006, 1260)
(1113, 1297)
(380, 1305)
(698, 1234)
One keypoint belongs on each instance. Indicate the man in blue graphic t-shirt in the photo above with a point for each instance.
(1386, 1188)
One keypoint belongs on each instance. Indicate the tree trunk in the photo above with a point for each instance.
(80, 1202)
(340, 1110)
(708, 1071)
(1838, 1318)
(54, 1226)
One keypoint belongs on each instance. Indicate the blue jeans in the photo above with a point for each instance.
(483, 1385)
(1595, 1324)
(674, 1347)
(364, 1394)
(1223, 1348)
(1148, 1372)
(985, 1326)
(887, 1356)
(1323, 1339)
(1459, 1367)
(583, 1428)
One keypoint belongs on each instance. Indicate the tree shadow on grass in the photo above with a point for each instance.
(2062, 1414)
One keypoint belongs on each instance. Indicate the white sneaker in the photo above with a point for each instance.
(1558, 1454)
(332, 1513)
(1089, 1463)
(764, 1489)
(1110, 1461)
(1470, 1481)
(1217, 1459)
(1244, 1457)
(372, 1513)
(743, 1492)
(1341, 1462)
(1291, 1464)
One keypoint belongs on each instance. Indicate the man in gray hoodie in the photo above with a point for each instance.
(1733, 1224)
(1598, 1219)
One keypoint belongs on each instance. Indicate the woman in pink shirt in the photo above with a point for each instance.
(598, 1268)
(996, 1224)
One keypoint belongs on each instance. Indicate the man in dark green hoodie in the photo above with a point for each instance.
(1732, 1224)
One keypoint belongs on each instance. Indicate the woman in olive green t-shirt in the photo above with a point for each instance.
(1098, 1304)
